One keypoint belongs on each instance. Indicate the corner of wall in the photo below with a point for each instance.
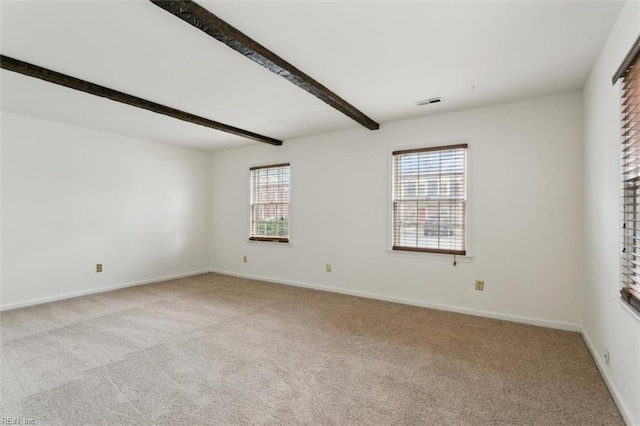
(605, 324)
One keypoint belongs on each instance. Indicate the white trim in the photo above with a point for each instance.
(604, 372)
(634, 314)
(413, 302)
(269, 243)
(97, 290)
(431, 256)
(248, 207)
(467, 181)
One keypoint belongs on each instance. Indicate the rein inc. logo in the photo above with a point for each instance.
(17, 421)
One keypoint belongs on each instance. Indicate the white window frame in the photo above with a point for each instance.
(466, 258)
(629, 287)
(256, 239)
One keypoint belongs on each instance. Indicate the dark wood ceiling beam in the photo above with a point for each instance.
(41, 73)
(201, 18)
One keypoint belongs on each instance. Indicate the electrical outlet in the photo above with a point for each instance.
(98, 267)
(480, 285)
(327, 267)
(244, 259)
(606, 356)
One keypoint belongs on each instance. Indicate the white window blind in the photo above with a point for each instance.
(433, 217)
(630, 257)
(270, 203)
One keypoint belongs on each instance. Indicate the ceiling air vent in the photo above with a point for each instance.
(429, 101)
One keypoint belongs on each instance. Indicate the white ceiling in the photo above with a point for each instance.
(379, 56)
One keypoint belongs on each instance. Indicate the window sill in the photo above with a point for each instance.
(635, 314)
(430, 256)
(269, 243)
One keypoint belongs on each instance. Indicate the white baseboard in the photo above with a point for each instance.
(513, 318)
(97, 290)
(613, 390)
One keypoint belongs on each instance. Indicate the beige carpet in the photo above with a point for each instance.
(214, 349)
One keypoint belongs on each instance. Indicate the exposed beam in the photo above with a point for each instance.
(36, 71)
(201, 18)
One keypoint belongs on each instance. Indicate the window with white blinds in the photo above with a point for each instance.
(429, 199)
(630, 127)
(270, 203)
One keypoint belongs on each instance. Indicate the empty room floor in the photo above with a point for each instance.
(214, 349)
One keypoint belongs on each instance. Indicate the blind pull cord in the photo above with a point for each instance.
(455, 262)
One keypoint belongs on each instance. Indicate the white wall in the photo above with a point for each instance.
(74, 197)
(606, 323)
(525, 224)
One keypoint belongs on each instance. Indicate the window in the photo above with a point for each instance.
(433, 221)
(270, 203)
(629, 72)
(411, 189)
(432, 189)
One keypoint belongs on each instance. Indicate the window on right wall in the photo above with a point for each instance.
(629, 73)
(432, 219)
